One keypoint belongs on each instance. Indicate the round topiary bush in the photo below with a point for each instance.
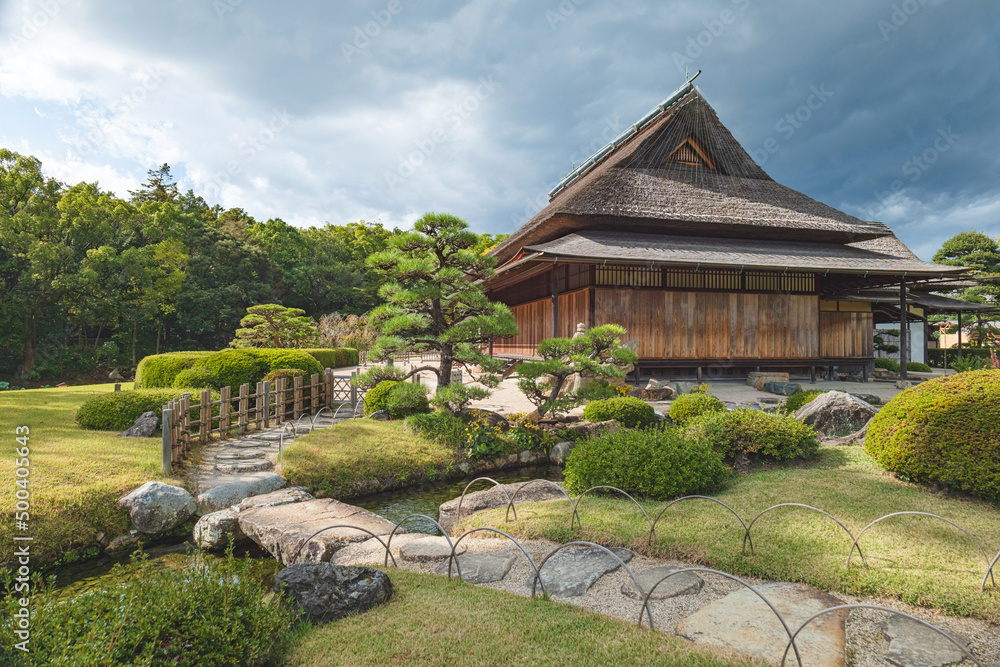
(407, 399)
(917, 367)
(627, 411)
(235, 367)
(945, 431)
(887, 364)
(118, 410)
(755, 433)
(653, 463)
(800, 398)
(688, 406)
(283, 358)
(375, 398)
(196, 377)
(160, 370)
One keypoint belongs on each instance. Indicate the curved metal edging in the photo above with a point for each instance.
(808, 507)
(935, 516)
(385, 561)
(714, 500)
(876, 608)
(299, 420)
(281, 443)
(312, 424)
(652, 531)
(989, 572)
(454, 557)
(458, 513)
(363, 530)
(547, 481)
(538, 573)
(728, 576)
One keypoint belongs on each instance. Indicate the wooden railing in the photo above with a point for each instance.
(188, 420)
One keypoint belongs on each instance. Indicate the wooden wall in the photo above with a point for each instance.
(534, 320)
(847, 334)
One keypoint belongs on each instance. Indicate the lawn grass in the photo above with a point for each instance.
(919, 560)
(362, 456)
(431, 621)
(76, 477)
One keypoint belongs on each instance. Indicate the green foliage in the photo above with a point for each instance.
(376, 397)
(628, 411)
(756, 434)
(484, 440)
(299, 359)
(405, 399)
(160, 370)
(271, 325)
(966, 364)
(197, 377)
(888, 364)
(456, 397)
(286, 373)
(212, 612)
(334, 357)
(917, 367)
(440, 426)
(938, 356)
(800, 398)
(235, 367)
(653, 463)
(117, 410)
(688, 406)
(945, 431)
(525, 435)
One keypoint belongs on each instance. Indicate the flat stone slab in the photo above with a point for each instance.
(428, 549)
(688, 583)
(292, 494)
(247, 444)
(222, 491)
(494, 497)
(283, 529)
(742, 622)
(480, 568)
(237, 455)
(250, 465)
(571, 572)
(914, 645)
(274, 436)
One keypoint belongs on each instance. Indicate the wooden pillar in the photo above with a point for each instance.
(168, 443)
(903, 332)
(205, 416)
(555, 302)
(296, 396)
(244, 412)
(960, 334)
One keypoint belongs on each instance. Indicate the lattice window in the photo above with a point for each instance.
(691, 153)
(629, 276)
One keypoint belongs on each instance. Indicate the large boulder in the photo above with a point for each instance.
(324, 592)
(836, 413)
(757, 379)
(782, 388)
(560, 452)
(156, 507)
(213, 531)
(143, 427)
(226, 495)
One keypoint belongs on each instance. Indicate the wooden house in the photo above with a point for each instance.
(674, 232)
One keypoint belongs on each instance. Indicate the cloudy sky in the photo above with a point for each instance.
(384, 109)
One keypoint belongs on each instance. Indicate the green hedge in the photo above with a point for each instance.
(653, 463)
(196, 377)
(688, 406)
(885, 363)
(406, 399)
(756, 434)
(917, 367)
(376, 397)
(945, 431)
(628, 411)
(160, 370)
(936, 357)
(118, 410)
(236, 367)
(335, 357)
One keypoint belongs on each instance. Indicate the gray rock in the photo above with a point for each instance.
(742, 622)
(682, 387)
(293, 494)
(688, 583)
(226, 495)
(493, 497)
(758, 379)
(242, 466)
(783, 388)
(323, 592)
(144, 427)
(379, 416)
(560, 451)
(213, 531)
(571, 572)
(283, 529)
(123, 544)
(529, 456)
(156, 507)
(479, 568)
(492, 418)
(914, 645)
(836, 413)
(870, 399)
(428, 549)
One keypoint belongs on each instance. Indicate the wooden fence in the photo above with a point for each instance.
(188, 420)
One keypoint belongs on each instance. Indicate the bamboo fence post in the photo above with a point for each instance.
(257, 404)
(330, 388)
(266, 389)
(296, 396)
(168, 445)
(244, 408)
(225, 407)
(205, 416)
(279, 400)
(185, 424)
(315, 399)
(354, 394)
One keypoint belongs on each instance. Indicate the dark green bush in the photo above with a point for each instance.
(441, 426)
(945, 431)
(196, 377)
(376, 397)
(800, 398)
(160, 370)
(210, 613)
(299, 359)
(627, 411)
(334, 357)
(688, 406)
(286, 373)
(887, 364)
(407, 399)
(117, 410)
(917, 367)
(755, 433)
(654, 463)
(235, 367)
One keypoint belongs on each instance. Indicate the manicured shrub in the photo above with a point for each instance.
(117, 410)
(235, 367)
(628, 411)
(800, 398)
(885, 363)
(406, 399)
(917, 367)
(654, 463)
(299, 359)
(335, 357)
(210, 613)
(196, 377)
(945, 431)
(286, 373)
(441, 426)
(688, 406)
(376, 397)
(160, 370)
(755, 433)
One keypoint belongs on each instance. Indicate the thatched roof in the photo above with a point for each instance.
(684, 173)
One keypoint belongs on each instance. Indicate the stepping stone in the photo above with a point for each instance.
(914, 645)
(688, 583)
(742, 622)
(252, 465)
(428, 549)
(247, 444)
(237, 455)
(571, 572)
(274, 436)
(218, 492)
(479, 568)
